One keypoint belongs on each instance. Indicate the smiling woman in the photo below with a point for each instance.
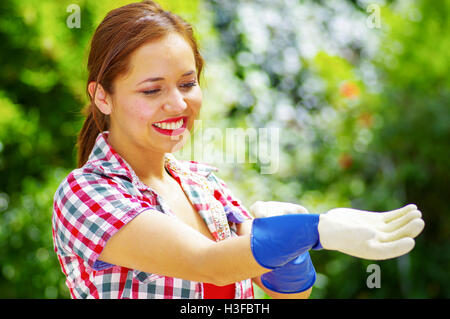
(134, 222)
(144, 68)
(135, 27)
(141, 108)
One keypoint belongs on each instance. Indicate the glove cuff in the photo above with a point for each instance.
(303, 288)
(277, 240)
(296, 276)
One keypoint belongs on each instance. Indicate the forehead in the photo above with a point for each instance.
(163, 57)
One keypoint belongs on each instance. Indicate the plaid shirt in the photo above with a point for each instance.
(95, 201)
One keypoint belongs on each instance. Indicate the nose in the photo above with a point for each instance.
(175, 102)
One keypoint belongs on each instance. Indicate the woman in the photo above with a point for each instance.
(134, 222)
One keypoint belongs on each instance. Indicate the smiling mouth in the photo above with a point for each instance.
(171, 127)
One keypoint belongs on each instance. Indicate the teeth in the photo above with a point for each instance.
(169, 126)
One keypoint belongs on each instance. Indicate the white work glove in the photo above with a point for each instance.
(371, 235)
(261, 209)
(362, 234)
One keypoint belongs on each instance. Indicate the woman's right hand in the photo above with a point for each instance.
(261, 209)
(371, 235)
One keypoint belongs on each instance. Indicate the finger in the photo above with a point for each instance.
(400, 222)
(411, 229)
(258, 209)
(394, 214)
(297, 209)
(393, 249)
(284, 208)
(253, 207)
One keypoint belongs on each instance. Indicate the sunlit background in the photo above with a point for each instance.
(359, 91)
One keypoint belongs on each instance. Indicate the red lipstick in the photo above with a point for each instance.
(173, 119)
(170, 131)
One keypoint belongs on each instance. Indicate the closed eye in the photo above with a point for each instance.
(150, 92)
(186, 86)
(189, 85)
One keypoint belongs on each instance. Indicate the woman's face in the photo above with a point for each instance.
(155, 104)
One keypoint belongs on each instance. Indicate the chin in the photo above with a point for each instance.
(174, 149)
(176, 144)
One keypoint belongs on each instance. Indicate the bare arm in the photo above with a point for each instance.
(157, 243)
(245, 229)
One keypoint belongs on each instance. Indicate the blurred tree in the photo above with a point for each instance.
(364, 121)
(42, 91)
(362, 111)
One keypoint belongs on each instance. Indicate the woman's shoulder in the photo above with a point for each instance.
(89, 171)
(88, 177)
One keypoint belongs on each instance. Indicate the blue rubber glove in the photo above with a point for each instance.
(277, 240)
(296, 276)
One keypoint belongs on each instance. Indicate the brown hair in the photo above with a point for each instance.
(121, 32)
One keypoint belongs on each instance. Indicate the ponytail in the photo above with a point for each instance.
(95, 123)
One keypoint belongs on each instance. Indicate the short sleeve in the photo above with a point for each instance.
(88, 210)
(235, 210)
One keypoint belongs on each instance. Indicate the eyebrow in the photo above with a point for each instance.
(160, 78)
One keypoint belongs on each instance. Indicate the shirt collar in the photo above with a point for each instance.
(104, 158)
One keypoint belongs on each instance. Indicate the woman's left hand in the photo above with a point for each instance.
(261, 209)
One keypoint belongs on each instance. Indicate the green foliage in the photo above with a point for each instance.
(363, 118)
(361, 127)
(42, 91)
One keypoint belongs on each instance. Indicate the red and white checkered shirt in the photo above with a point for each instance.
(95, 201)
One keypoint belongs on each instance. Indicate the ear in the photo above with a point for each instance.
(102, 99)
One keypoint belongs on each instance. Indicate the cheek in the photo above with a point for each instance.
(195, 99)
(141, 111)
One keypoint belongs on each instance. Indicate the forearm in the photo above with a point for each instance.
(156, 243)
(226, 264)
(265, 244)
(230, 261)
